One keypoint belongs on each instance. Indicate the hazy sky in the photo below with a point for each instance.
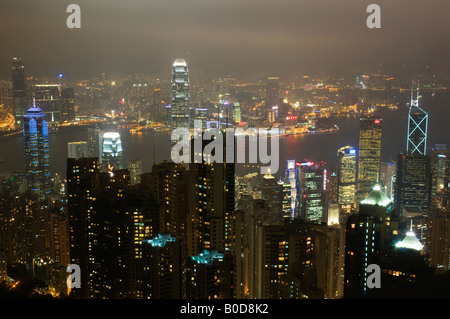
(222, 36)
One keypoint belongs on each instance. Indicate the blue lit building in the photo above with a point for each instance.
(37, 157)
(164, 262)
(291, 178)
(210, 275)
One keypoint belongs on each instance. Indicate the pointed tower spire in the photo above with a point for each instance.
(416, 142)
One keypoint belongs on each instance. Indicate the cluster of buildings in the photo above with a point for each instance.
(199, 231)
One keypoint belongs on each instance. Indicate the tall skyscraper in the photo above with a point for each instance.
(332, 186)
(347, 171)
(369, 159)
(111, 151)
(37, 156)
(169, 184)
(19, 89)
(440, 159)
(313, 192)
(370, 237)
(180, 107)
(164, 262)
(48, 98)
(272, 194)
(289, 260)
(413, 183)
(210, 276)
(417, 128)
(102, 229)
(292, 179)
(94, 140)
(81, 176)
(439, 252)
(413, 178)
(211, 203)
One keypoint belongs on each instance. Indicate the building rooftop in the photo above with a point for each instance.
(410, 242)
(207, 257)
(161, 240)
(179, 62)
(377, 197)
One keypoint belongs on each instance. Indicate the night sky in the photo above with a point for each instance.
(234, 37)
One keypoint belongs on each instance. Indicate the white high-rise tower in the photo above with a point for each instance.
(180, 95)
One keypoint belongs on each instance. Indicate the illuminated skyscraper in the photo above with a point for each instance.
(332, 186)
(81, 174)
(272, 194)
(369, 159)
(101, 228)
(210, 276)
(370, 238)
(112, 151)
(291, 178)
(440, 157)
(413, 178)
(169, 183)
(417, 128)
(347, 170)
(211, 204)
(19, 89)
(37, 157)
(313, 192)
(180, 95)
(413, 183)
(164, 262)
(286, 265)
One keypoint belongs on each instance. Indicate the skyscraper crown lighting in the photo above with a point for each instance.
(207, 257)
(410, 242)
(161, 240)
(417, 127)
(377, 197)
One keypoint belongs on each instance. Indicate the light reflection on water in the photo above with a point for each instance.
(150, 146)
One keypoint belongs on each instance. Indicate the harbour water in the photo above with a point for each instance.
(151, 147)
